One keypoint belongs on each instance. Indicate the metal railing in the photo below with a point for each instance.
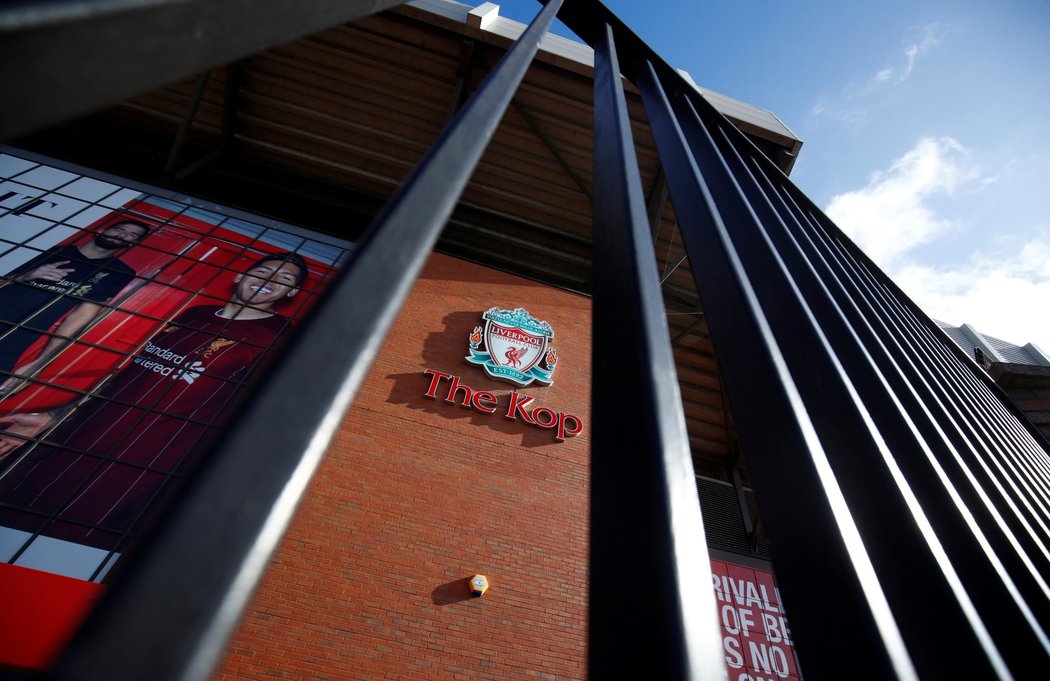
(906, 499)
(893, 479)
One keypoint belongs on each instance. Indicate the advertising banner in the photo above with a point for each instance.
(755, 633)
(131, 325)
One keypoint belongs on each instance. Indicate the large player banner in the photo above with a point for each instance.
(131, 325)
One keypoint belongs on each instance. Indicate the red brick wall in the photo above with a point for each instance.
(417, 495)
(1029, 387)
(1035, 402)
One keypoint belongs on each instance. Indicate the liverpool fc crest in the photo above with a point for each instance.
(517, 347)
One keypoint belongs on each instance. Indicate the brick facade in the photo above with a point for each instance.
(1029, 387)
(417, 495)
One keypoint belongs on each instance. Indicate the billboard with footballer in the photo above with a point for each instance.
(131, 325)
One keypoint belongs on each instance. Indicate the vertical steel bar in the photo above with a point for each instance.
(905, 307)
(814, 517)
(642, 489)
(201, 565)
(950, 425)
(910, 452)
(950, 397)
(972, 410)
(977, 405)
(903, 365)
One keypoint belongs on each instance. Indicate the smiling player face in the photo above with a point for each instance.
(267, 283)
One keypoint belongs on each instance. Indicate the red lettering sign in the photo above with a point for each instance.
(519, 405)
(518, 402)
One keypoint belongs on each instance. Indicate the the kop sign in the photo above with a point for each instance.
(516, 347)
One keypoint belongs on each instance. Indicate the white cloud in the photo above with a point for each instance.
(929, 39)
(1005, 298)
(1004, 295)
(854, 115)
(890, 216)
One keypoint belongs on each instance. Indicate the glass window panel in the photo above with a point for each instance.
(120, 198)
(89, 189)
(46, 177)
(63, 557)
(12, 165)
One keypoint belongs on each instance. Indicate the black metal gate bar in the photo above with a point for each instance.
(197, 570)
(880, 454)
(71, 57)
(952, 423)
(983, 409)
(953, 427)
(918, 393)
(989, 417)
(869, 392)
(918, 322)
(938, 354)
(961, 380)
(897, 363)
(781, 430)
(987, 407)
(642, 484)
(1002, 443)
(979, 408)
(964, 393)
(1011, 539)
(860, 424)
(917, 474)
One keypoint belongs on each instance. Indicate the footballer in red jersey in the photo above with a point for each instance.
(97, 472)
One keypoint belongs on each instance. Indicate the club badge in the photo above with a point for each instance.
(516, 347)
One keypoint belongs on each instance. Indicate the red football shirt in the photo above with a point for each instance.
(103, 465)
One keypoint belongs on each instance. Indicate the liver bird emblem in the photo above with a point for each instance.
(514, 356)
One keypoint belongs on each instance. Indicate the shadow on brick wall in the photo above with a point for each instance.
(452, 592)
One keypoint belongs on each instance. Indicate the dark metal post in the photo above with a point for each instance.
(957, 544)
(76, 56)
(197, 571)
(651, 603)
(782, 434)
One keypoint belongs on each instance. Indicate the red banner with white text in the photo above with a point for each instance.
(756, 637)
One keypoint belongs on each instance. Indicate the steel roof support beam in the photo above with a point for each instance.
(558, 156)
(175, 155)
(657, 202)
(228, 132)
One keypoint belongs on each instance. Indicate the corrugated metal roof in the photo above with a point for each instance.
(957, 335)
(736, 110)
(995, 349)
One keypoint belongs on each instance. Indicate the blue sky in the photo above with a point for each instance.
(925, 131)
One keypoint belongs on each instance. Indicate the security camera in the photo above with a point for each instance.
(479, 584)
